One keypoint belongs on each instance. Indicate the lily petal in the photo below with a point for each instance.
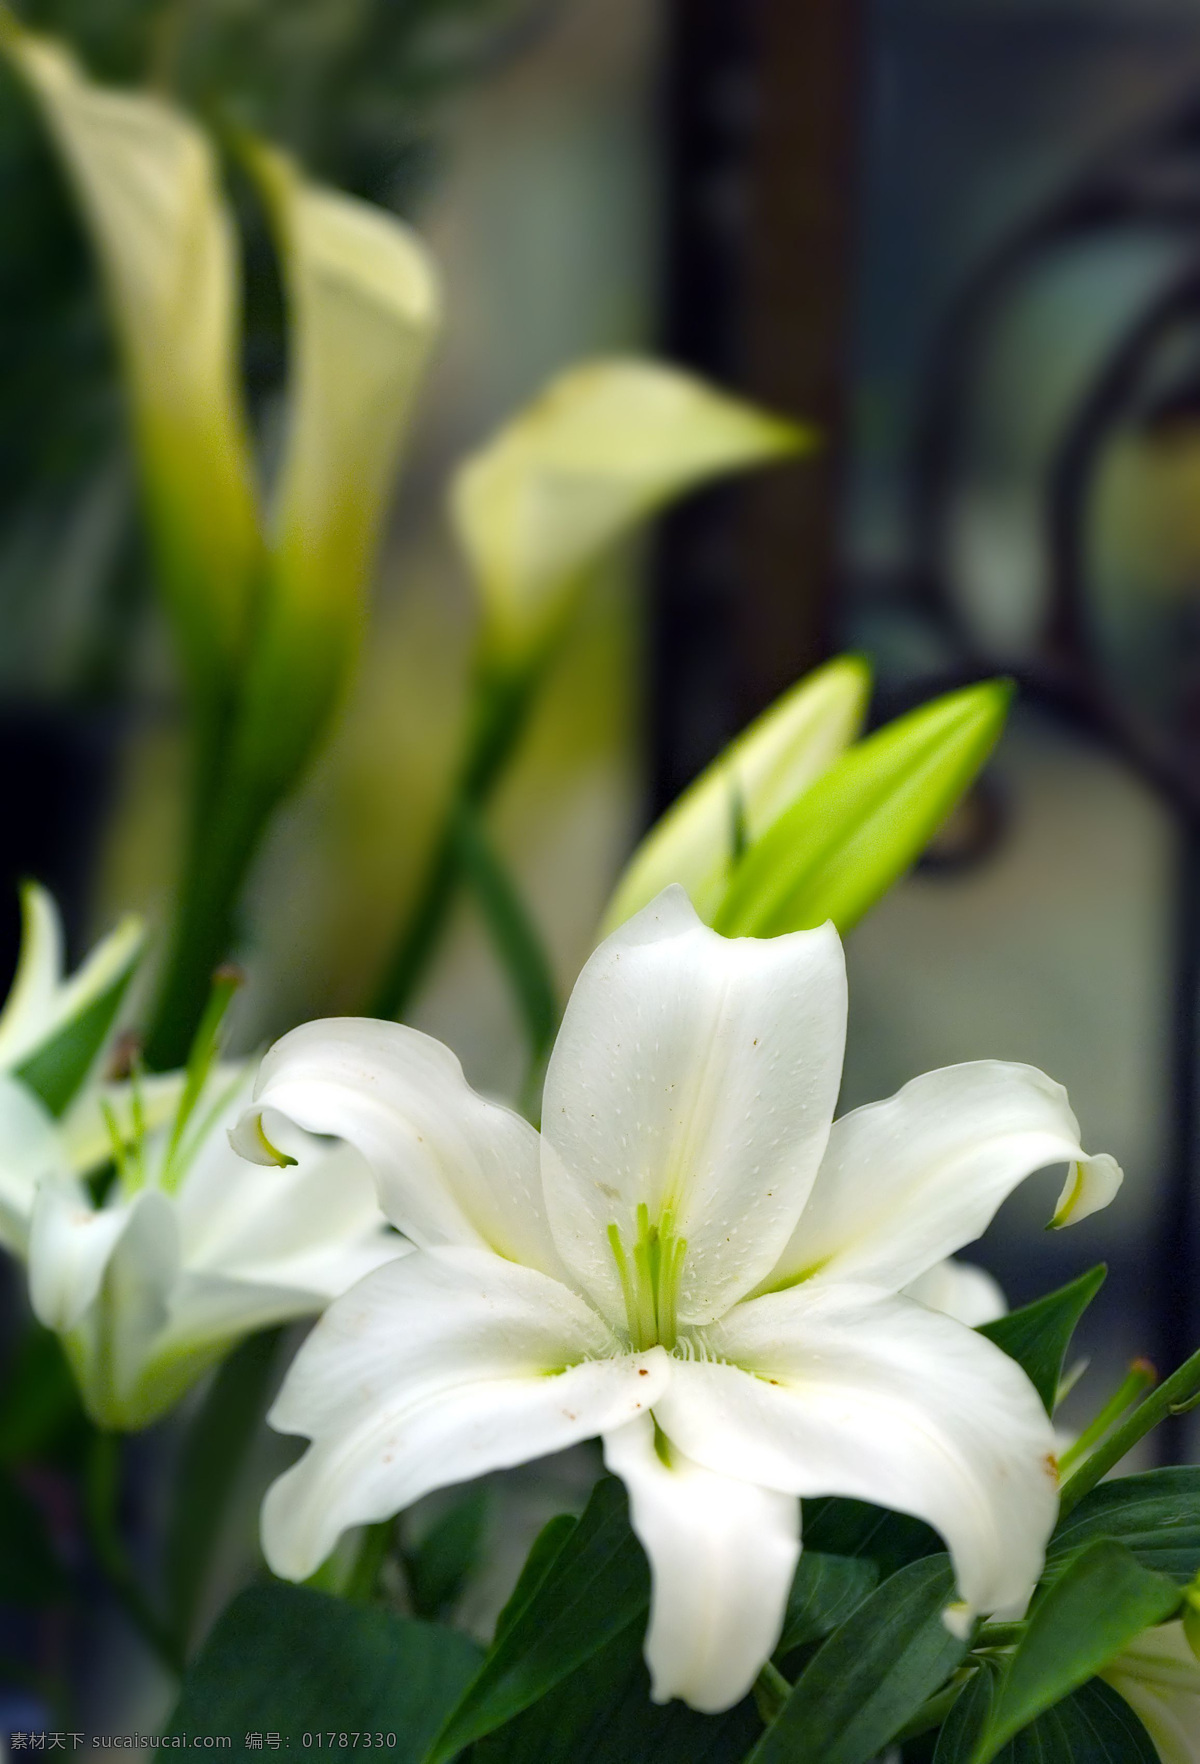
(451, 1167)
(694, 1074)
(848, 1391)
(30, 1151)
(722, 1555)
(435, 1369)
(70, 1244)
(959, 1290)
(908, 1181)
(29, 1009)
(122, 1260)
(1159, 1677)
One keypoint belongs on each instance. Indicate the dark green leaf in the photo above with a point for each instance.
(862, 824)
(839, 1527)
(826, 1589)
(1156, 1515)
(602, 1714)
(55, 1070)
(872, 1674)
(211, 1457)
(546, 1546)
(1091, 1726)
(596, 1586)
(287, 1660)
(29, 1569)
(1100, 1603)
(40, 1413)
(1037, 1337)
(968, 1718)
(439, 1567)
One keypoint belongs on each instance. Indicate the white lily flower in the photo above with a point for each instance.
(1159, 1677)
(692, 1261)
(153, 1284)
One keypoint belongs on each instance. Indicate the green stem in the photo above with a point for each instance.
(373, 1548)
(1176, 1390)
(1141, 1376)
(227, 830)
(1000, 1635)
(771, 1692)
(501, 703)
(101, 1491)
(513, 932)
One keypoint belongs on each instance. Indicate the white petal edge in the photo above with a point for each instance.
(1159, 1677)
(850, 1391)
(722, 1555)
(433, 1370)
(910, 1180)
(695, 1073)
(451, 1167)
(959, 1290)
(31, 1151)
(70, 1245)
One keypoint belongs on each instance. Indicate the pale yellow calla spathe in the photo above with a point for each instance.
(364, 309)
(146, 182)
(603, 447)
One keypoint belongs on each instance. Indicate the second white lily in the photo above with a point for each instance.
(691, 1261)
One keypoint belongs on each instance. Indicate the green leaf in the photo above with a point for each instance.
(30, 1573)
(1037, 1336)
(871, 1675)
(602, 1714)
(545, 1551)
(1156, 1515)
(439, 1567)
(600, 450)
(837, 1526)
(745, 790)
(286, 1660)
(211, 1457)
(865, 820)
(826, 1589)
(1103, 1600)
(596, 1585)
(1091, 1726)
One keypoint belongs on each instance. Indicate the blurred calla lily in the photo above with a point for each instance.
(1159, 1677)
(744, 791)
(603, 447)
(266, 612)
(146, 182)
(365, 307)
(692, 1260)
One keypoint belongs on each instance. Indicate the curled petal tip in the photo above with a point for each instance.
(1091, 1184)
(249, 1140)
(959, 1619)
